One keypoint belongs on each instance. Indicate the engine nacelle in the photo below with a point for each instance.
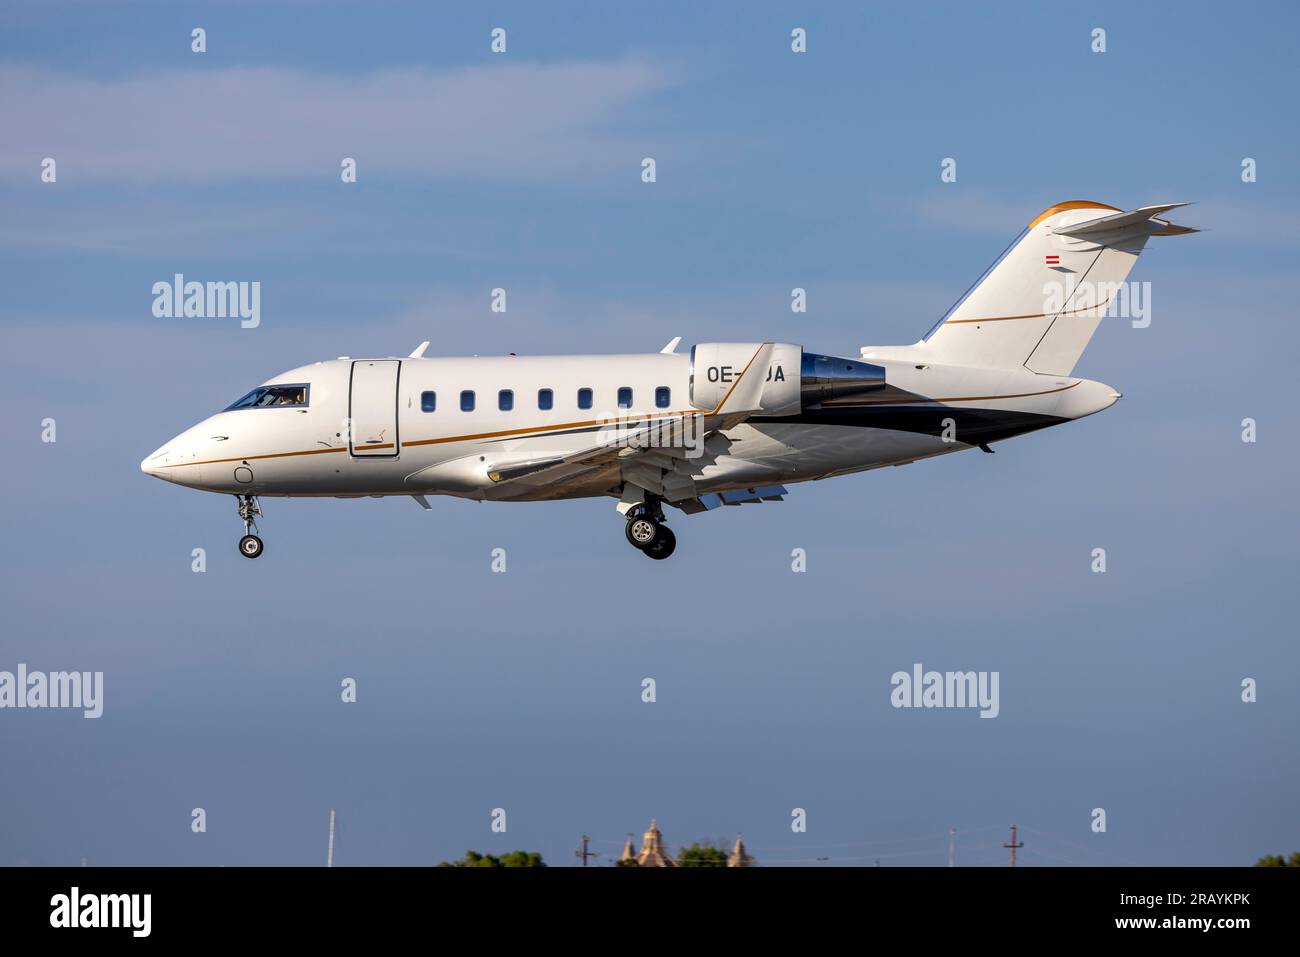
(823, 378)
(794, 380)
(715, 367)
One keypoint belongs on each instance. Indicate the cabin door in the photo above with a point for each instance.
(372, 408)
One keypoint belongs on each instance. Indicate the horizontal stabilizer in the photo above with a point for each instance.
(1124, 221)
(1173, 229)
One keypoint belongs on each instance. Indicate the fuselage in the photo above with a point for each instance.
(422, 426)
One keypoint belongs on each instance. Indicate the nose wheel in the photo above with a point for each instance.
(250, 546)
(646, 531)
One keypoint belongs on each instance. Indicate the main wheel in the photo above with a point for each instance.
(250, 546)
(663, 544)
(641, 531)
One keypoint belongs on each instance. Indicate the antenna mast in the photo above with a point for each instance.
(329, 854)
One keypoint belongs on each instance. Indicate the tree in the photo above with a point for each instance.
(702, 854)
(1277, 860)
(513, 859)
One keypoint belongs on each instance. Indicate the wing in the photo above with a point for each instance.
(616, 449)
(744, 496)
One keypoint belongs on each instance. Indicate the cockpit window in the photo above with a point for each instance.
(273, 396)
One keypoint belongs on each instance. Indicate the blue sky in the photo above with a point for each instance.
(522, 690)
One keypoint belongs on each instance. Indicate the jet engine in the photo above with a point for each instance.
(793, 381)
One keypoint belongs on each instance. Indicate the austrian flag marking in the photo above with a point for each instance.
(1052, 260)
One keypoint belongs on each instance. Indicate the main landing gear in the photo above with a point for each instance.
(250, 546)
(646, 530)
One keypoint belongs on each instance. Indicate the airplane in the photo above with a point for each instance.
(730, 423)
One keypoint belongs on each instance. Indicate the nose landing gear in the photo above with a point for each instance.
(250, 546)
(646, 531)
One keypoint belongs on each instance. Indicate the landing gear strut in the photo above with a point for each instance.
(646, 530)
(250, 546)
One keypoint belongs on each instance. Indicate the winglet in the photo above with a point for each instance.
(672, 346)
(418, 352)
(745, 392)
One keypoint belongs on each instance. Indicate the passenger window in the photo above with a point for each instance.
(663, 397)
(545, 399)
(584, 398)
(624, 398)
(467, 401)
(428, 401)
(505, 400)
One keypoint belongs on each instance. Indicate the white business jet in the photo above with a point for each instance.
(729, 424)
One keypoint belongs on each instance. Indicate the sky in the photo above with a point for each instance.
(522, 691)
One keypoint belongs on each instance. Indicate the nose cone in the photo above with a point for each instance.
(156, 462)
(178, 462)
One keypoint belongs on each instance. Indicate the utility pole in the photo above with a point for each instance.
(584, 853)
(1013, 845)
(329, 854)
(952, 847)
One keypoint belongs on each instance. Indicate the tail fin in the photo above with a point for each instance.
(1040, 303)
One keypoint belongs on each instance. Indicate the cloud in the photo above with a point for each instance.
(547, 319)
(1248, 223)
(154, 227)
(221, 227)
(517, 122)
(974, 212)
